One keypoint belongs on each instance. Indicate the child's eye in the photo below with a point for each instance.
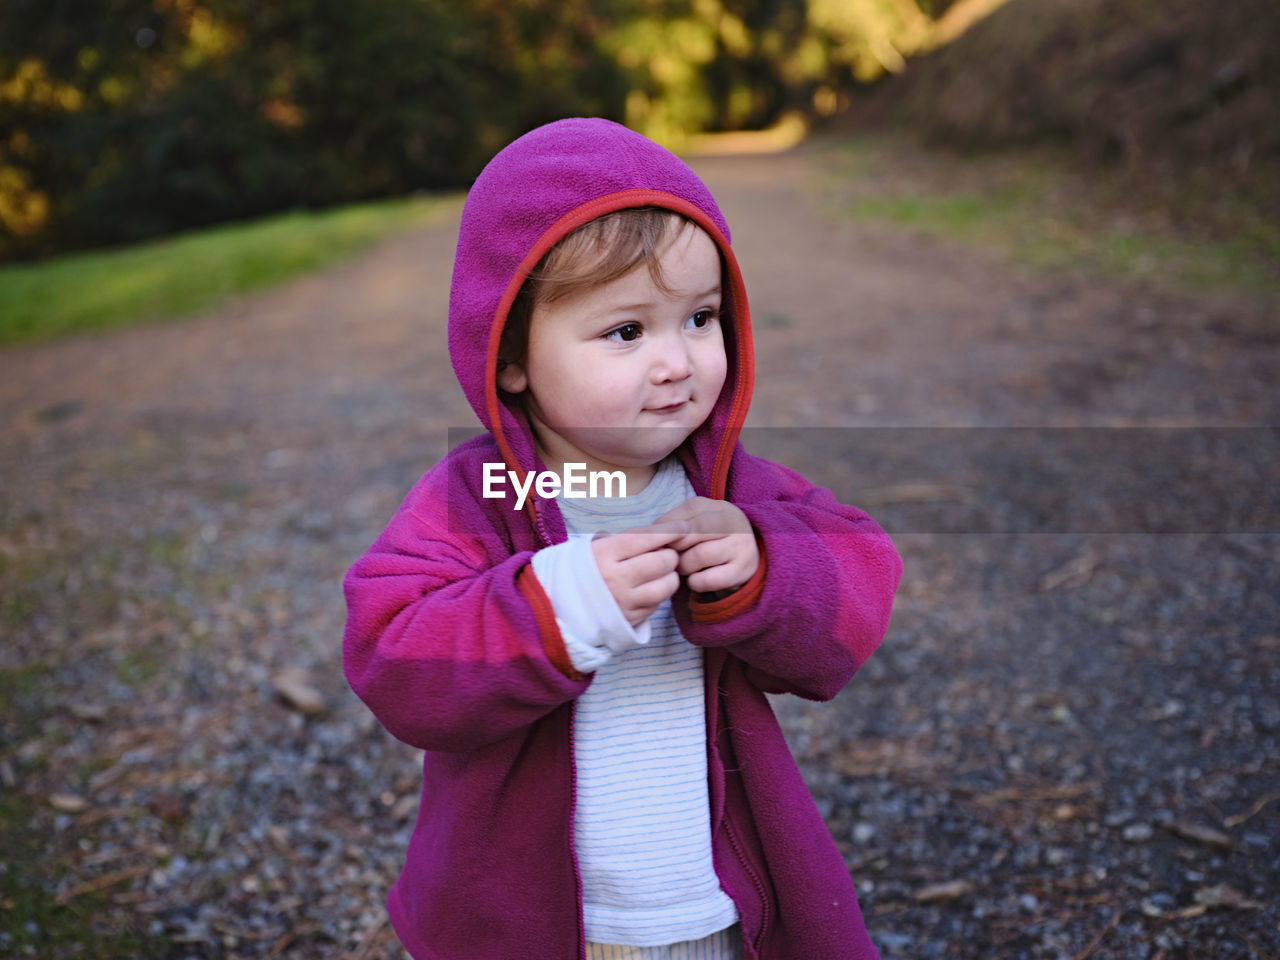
(627, 332)
(703, 318)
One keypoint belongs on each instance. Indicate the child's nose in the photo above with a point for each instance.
(672, 360)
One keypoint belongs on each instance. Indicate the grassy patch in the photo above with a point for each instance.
(189, 273)
(17, 684)
(1033, 209)
(33, 923)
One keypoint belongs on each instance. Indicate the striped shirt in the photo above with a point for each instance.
(642, 828)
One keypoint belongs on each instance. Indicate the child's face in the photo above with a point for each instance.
(618, 376)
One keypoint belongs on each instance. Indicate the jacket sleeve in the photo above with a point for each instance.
(820, 601)
(450, 641)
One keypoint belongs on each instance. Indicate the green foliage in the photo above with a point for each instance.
(139, 118)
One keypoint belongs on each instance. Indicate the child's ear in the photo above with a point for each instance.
(512, 378)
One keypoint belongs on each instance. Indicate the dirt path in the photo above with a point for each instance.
(1080, 726)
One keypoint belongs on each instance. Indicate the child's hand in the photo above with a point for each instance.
(719, 552)
(639, 567)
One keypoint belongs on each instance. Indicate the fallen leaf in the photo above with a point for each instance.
(1200, 834)
(1074, 573)
(911, 491)
(1221, 895)
(1218, 897)
(68, 802)
(405, 806)
(279, 837)
(941, 892)
(295, 689)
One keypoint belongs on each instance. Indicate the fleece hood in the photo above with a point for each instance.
(537, 190)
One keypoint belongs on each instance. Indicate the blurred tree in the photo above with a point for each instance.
(125, 119)
(139, 117)
(65, 68)
(698, 65)
(710, 65)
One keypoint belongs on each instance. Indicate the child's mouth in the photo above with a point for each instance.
(669, 408)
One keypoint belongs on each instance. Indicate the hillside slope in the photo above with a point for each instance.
(1178, 93)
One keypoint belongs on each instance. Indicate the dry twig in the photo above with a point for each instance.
(100, 883)
(1102, 935)
(1253, 811)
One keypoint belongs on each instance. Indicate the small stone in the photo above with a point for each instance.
(1138, 832)
(894, 941)
(30, 752)
(1222, 896)
(169, 807)
(213, 839)
(89, 712)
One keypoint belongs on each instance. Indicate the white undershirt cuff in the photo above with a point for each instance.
(589, 618)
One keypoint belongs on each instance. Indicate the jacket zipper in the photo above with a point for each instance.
(573, 853)
(755, 879)
(541, 530)
(573, 793)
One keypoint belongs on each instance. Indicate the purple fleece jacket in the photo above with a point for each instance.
(453, 644)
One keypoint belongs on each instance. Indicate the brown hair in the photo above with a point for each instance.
(598, 252)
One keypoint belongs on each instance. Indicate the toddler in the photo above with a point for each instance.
(604, 776)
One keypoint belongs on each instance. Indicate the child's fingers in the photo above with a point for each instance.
(689, 540)
(647, 567)
(666, 527)
(723, 563)
(638, 605)
(706, 520)
(640, 540)
(647, 596)
(707, 553)
(726, 576)
(731, 574)
(692, 511)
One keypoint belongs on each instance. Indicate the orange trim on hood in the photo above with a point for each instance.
(623, 199)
